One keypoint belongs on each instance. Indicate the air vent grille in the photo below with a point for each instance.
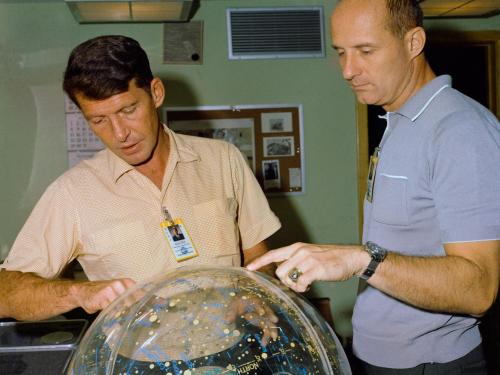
(275, 32)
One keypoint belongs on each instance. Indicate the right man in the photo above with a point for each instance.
(432, 212)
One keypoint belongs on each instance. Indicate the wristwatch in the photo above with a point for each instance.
(378, 255)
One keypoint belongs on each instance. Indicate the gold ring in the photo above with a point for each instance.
(294, 274)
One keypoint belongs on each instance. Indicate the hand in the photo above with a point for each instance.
(316, 262)
(256, 313)
(94, 296)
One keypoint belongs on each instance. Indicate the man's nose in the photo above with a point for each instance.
(350, 67)
(120, 131)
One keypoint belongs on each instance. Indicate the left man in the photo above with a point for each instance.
(113, 213)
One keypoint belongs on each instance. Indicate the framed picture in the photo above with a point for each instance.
(271, 172)
(278, 146)
(276, 122)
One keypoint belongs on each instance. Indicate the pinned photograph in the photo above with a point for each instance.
(295, 178)
(276, 122)
(271, 172)
(238, 131)
(278, 146)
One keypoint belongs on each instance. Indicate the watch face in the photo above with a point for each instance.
(378, 253)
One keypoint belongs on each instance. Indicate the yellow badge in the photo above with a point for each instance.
(178, 238)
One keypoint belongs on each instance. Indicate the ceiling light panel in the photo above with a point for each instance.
(156, 11)
(99, 11)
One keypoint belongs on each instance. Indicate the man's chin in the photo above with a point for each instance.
(364, 99)
(138, 161)
(133, 160)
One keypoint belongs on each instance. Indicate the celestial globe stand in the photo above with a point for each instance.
(210, 321)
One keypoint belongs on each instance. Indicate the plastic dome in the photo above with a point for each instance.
(207, 320)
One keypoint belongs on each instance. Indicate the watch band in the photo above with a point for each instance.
(370, 269)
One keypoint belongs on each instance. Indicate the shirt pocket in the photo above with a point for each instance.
(390, 200)
(217, 227)
(215, 207)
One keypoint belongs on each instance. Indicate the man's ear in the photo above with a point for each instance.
(415, 41)
(157, 91)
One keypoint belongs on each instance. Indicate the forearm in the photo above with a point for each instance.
(465, 281)
(25, 296)
(449, 283)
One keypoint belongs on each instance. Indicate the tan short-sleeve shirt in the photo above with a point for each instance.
(107, 215)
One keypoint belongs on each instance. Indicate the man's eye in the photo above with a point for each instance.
(366, 51)
(128, 110)
(97, 121)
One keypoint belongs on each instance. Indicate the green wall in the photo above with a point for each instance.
(35, 40)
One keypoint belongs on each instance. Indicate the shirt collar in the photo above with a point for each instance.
(417, 104)
(180, 151)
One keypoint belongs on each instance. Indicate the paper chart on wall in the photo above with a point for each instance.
(81, 141)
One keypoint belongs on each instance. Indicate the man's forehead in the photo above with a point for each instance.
(115, 97)
(360, 10)
(358, 26)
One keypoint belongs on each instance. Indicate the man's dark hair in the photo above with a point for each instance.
(404, 15)
(104, 66)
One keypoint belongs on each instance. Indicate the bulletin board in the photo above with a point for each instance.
(269, 136)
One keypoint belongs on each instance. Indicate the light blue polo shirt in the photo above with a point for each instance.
(437, 181)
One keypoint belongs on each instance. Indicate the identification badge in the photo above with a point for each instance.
(178, 238)
(372, 169)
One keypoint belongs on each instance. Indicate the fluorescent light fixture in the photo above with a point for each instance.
(103, 11)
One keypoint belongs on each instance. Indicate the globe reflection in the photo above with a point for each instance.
(208, 320)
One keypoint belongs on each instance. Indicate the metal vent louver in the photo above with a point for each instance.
(292, 32)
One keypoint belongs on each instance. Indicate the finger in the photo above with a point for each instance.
(270, 315)
(266, 335)
(98, 302)
(118, 286)
(288, 283)
(302, 286)
(271, 256)
(306, 277)
(273, 332)
(107, 295)
(285, 268)
(231, 314)
(269, 329)
(262, 310)
(269, 332)
(128, 283)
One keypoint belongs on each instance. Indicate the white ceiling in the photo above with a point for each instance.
(460, 8)
(431, 8)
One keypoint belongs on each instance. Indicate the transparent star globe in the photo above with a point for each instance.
(209, 320)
